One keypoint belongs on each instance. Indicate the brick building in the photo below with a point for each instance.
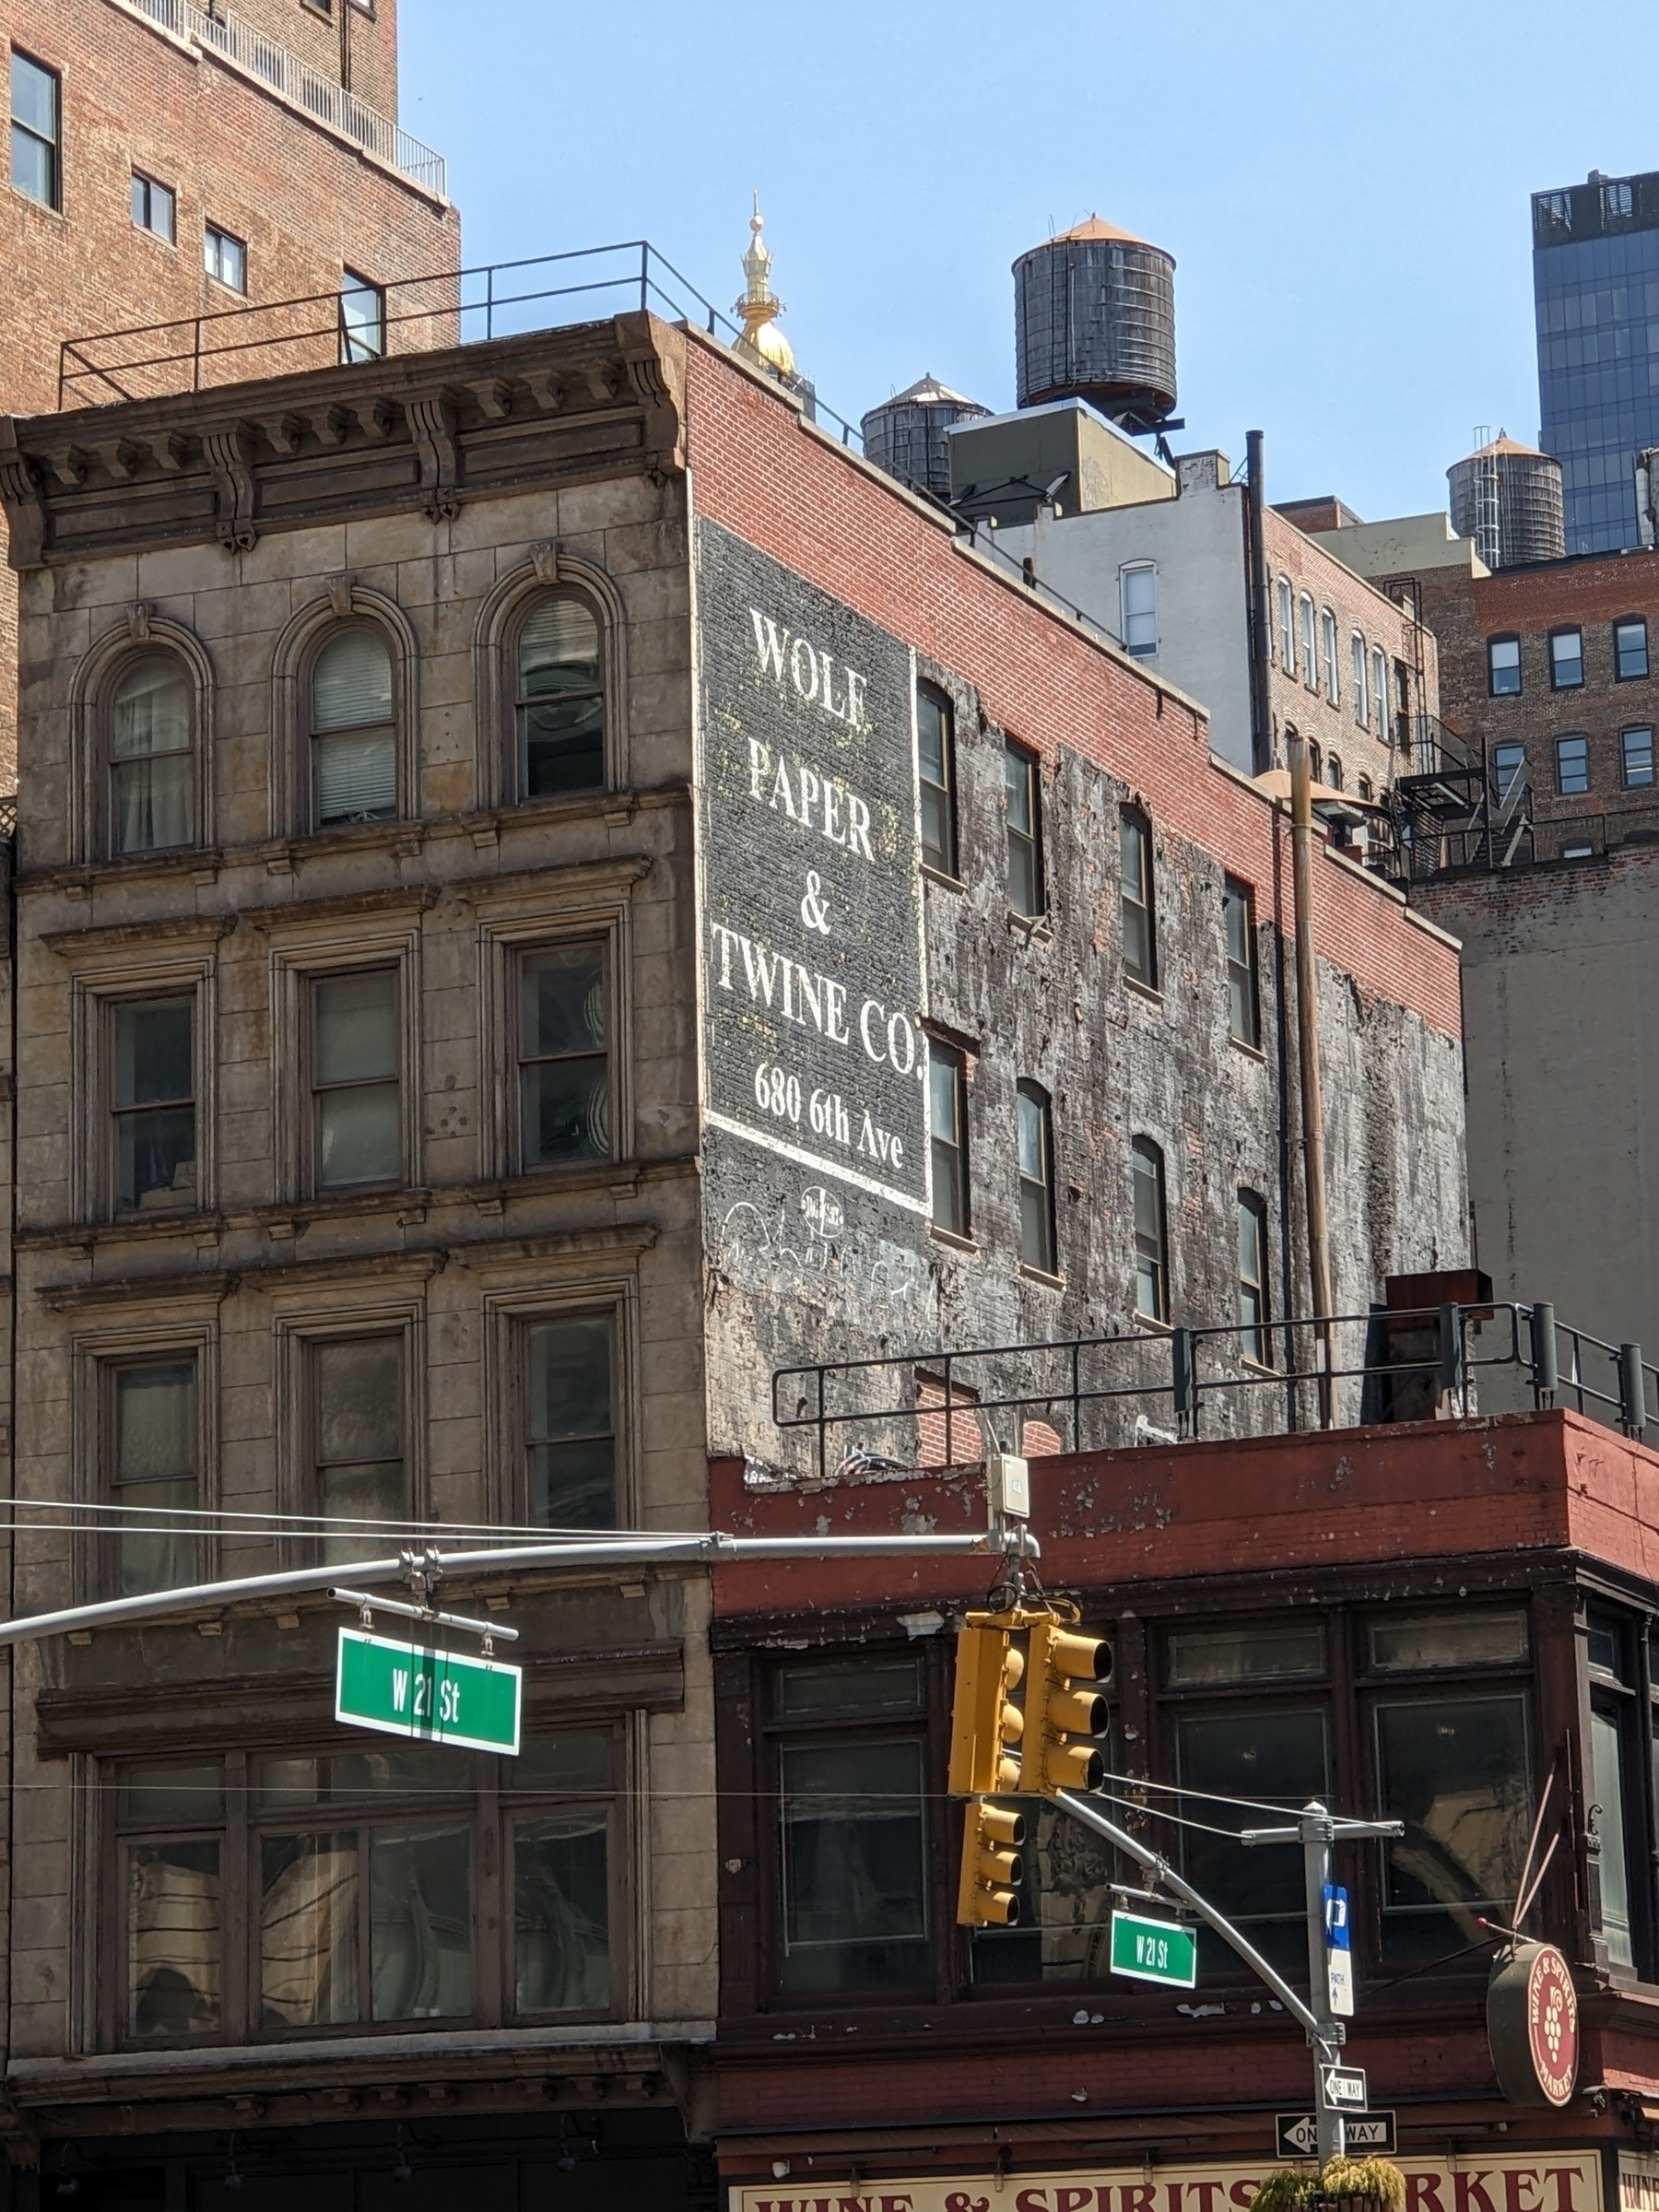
(169, 161)
(1463, 1643)
(627, 900)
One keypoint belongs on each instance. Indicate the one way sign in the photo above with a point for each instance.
(1298, 2134)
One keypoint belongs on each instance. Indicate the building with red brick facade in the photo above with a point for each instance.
(170, 162)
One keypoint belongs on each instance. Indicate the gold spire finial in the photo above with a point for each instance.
(760, 307)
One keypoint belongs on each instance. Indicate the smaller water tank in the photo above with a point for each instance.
(906, 434)
(1094, 313)
(1507, 497)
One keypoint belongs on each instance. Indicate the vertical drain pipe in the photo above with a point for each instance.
(1255, 528)
(1307, 1038)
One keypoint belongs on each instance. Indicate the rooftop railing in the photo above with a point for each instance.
(301, 86)
(930, 1411)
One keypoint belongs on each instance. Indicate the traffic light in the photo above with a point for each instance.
(987, 1895)
(985, 1726)
(1061, 1716)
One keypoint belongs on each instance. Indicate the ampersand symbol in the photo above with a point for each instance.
(815, 910)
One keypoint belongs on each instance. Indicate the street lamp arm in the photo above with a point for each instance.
(1080, 1808)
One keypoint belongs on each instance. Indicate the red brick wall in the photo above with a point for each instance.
(1592, 591)
(306, 204)
(812, 506)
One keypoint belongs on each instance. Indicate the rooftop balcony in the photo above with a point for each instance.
(229, 40)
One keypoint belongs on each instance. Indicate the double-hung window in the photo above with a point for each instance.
(354, 730)
(935, 771)
(1310, 644)
(1636, 747)
(948, 1137)
(560, 709)
(564, 1066)
(1565, 659)
(1254, 1342)
(357, 1112)
(152, 1103)
(1503, 668)
(225, 257)
(1630, 648)
(1380, 694)
(1136, 901)
(358, 1419)
(1361, 686)
(1138, 589)
(1572, 766)
(1244, 977)
(151, 756)
(1151, 1231)
(849, 1738)
(1508, 770)
(1024, 784)
(150, 1452)
(569, 1427)
(1035, 1146)
(1333, 673)
(37, 131)
(1286, 626)
(153, 206)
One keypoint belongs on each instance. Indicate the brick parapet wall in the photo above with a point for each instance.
(796, 495)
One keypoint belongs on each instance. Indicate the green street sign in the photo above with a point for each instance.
(439, 1696)
(1154, 1950)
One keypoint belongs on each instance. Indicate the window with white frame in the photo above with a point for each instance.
(1380, 692)
(1332, 673)
(1362, 685)
(1310, 644)
(1286, 626)
(1139, 586)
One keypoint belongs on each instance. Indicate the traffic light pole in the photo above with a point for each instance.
(1316, 1831)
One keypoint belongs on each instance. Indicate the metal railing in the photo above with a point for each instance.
(450, 307)
(930, 1411)
(295, 81)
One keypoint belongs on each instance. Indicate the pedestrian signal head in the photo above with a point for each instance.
(988, 1893)
(1065, 1711)
(985, 1726)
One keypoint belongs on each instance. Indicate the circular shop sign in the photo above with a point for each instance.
(1532, 2025)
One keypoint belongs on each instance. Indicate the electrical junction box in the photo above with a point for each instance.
(1008, 1485)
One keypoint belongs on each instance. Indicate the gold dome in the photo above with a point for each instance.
(760, 307)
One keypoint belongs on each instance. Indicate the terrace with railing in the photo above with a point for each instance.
(249, 51)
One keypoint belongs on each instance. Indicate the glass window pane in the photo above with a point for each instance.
(359, 1135)
(357, 1027)
(569, 1422)
(152, 803)
(564, 1000)
(562, 1913)
(362, 319)
(1279, 1756)
(175, 1793)
(855, 1877)
(283, 1784)
(152, 1051)
(1607, 1762)
(1032, 1160)
(360, 1390)
(154, 1469)
(351, 684)
(422, 1771)
(559, 649)
(1197, 1658)
(357, 776)
(1632, 645)
(420, 1923)
(581, 1760)
(175, 1938)
(1457, 1772)
(1638, 747)
(149, 708)
(34, 96)
(308, 1930)
(561, 711)
(1016, 782)
(934, 771)
(33, 170)
(565, 1097)
(1464, 1639)
(851, 1686)
(1063, 1933)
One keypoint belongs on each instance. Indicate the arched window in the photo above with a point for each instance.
(354, 730)
(1315, 762)
(1334, 772)
(559, 700)
(152, 756)
(1151, 1239)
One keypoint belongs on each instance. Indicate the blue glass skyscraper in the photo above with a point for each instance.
(1595, 286)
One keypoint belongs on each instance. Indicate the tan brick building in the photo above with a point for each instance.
(168, 162)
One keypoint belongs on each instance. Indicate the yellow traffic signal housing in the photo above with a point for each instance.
(987, 1895)
(985, 1726)
(1063, 1716)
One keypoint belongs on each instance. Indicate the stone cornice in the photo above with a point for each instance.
(416, 431)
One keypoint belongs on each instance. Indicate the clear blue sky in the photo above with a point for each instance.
(1344, 188)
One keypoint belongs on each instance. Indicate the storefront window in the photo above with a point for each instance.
(1456, 1771)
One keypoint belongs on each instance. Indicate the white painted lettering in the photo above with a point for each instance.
(781, 785)
(768, 643)
(807, 685)
(858, 827)
(728, 938)
(808, 785)
(855, 714)
(812, 998)
(830, 706)
(875, 1006)
(898, 1028)
(759, 761)
(760, 968)
(835, 1001)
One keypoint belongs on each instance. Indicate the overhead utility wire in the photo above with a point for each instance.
(1176, 1789)
(188, 1520)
